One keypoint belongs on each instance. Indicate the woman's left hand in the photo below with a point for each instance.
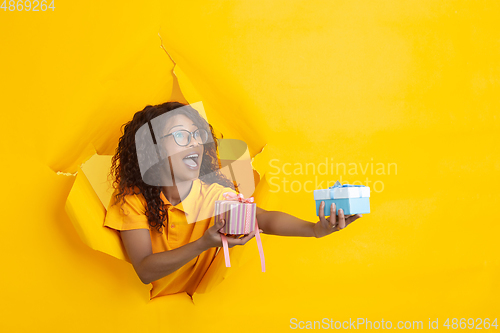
(334, 222)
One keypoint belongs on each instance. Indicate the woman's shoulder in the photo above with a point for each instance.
(128, 213)
(132, 196)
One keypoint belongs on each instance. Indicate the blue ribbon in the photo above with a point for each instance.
(337, 184)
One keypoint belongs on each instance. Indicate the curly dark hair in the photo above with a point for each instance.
(125, 166)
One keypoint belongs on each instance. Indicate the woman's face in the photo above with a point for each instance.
(184, 167)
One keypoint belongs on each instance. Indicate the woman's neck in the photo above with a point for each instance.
(175, 194)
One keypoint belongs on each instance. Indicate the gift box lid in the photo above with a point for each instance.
(339, 191)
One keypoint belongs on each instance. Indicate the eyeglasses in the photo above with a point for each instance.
(183, 137)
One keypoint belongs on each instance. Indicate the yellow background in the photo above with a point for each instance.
(415, 83)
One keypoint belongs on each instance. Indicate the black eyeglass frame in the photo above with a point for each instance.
(191, 135)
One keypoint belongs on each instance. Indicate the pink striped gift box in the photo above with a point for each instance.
(240, 217)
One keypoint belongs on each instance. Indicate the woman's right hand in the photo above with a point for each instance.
(212, 237)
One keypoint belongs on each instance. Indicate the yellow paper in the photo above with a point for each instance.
(403, 94)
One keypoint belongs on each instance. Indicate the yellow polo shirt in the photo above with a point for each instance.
(197, 206)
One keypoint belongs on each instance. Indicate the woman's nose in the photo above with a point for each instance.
(193, 143)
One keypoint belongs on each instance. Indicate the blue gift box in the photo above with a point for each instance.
(352, 199)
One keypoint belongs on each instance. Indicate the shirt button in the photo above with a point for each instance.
(172, 225)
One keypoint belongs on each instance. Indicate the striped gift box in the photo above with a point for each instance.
(240, 217)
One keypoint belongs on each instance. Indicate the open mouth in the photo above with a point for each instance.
(192, 161)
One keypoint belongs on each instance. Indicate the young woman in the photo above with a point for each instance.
(167, 228)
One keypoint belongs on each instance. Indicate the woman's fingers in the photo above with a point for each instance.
(352, 218)
(332, 220)
(341, 219)
(241, 241)
(221, 218)
(246, 238)
(322, 211)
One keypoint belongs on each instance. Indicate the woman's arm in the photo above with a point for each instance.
(283, 224)
(151, 266)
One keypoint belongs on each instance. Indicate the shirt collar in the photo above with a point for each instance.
(188, 204)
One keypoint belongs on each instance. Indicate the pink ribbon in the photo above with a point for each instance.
(239, 197)
(236, 197)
